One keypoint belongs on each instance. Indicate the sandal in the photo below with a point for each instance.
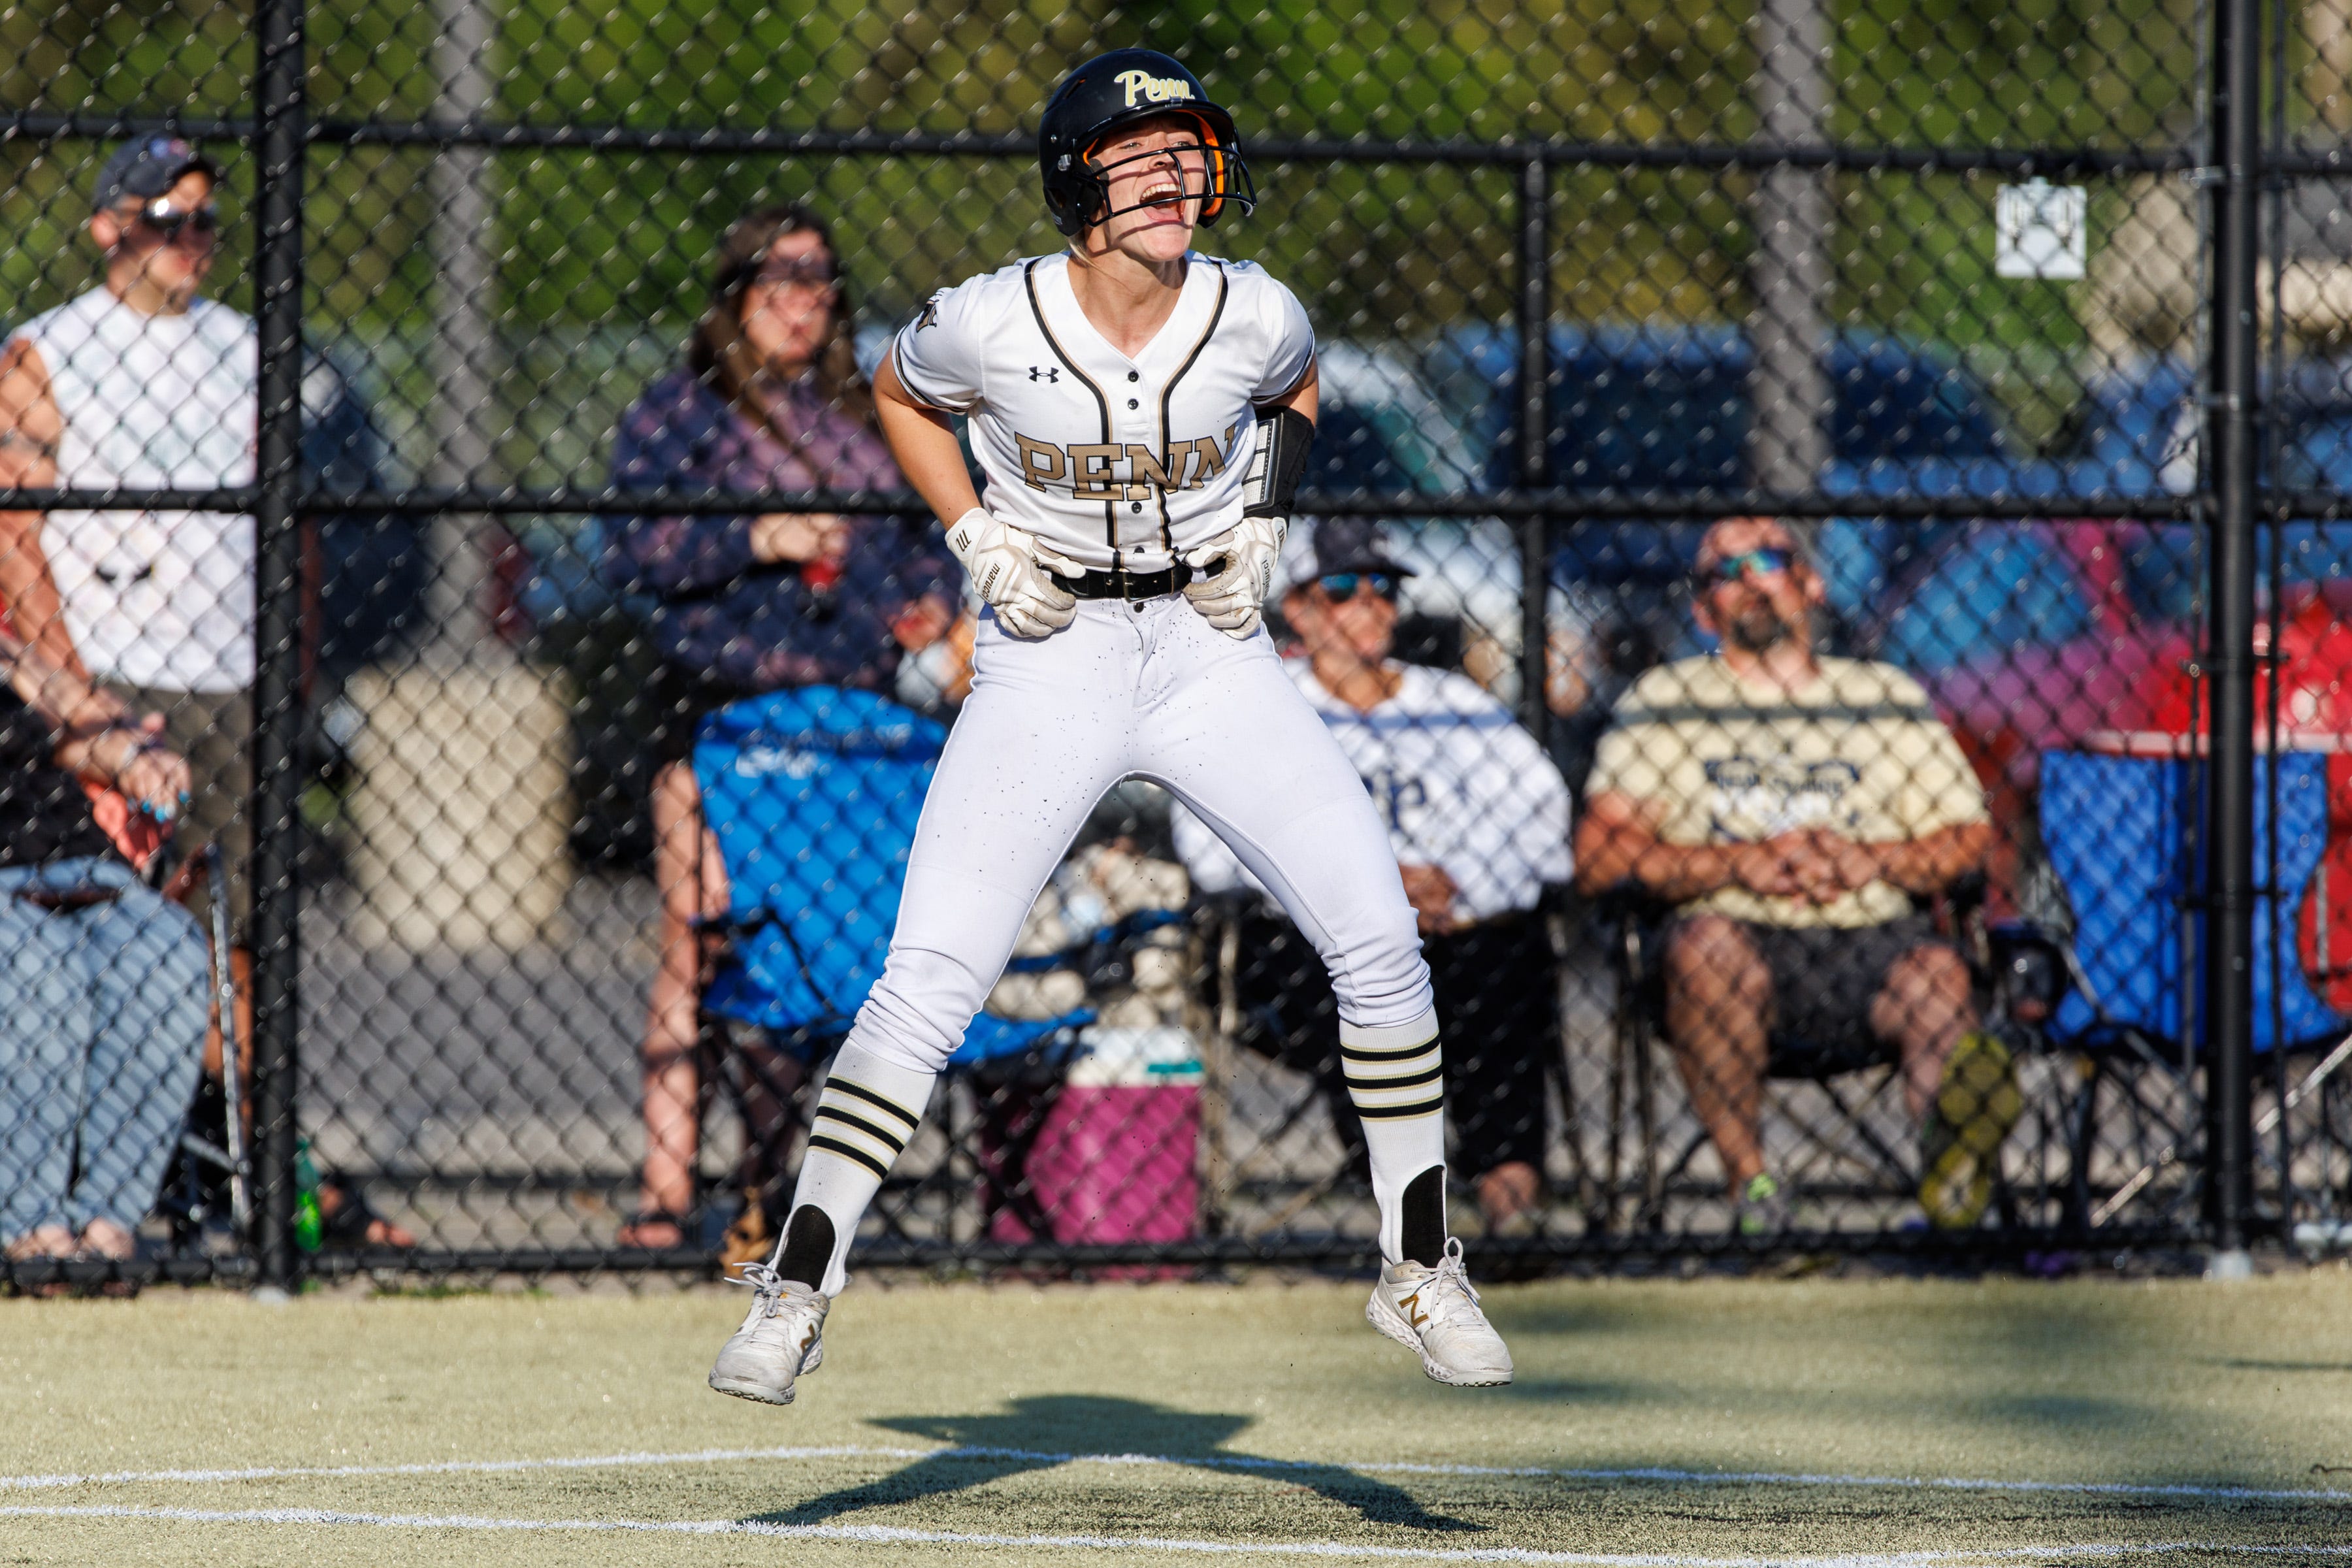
(630, 1233)
(347, 1220)
(47, 1244)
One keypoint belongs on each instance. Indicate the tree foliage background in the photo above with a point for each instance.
(600, 257)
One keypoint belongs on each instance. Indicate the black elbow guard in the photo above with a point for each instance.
(1279, 463)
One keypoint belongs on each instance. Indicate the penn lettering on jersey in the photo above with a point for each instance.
(1099, 471)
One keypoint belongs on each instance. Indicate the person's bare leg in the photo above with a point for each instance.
(1718, 1007)
(692, 882)
(1509, 1189)
(1925, 1007)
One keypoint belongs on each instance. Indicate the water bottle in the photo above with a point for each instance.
(309, 1223)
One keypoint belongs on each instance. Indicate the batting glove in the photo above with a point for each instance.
(1008, 564)
(1233, 599)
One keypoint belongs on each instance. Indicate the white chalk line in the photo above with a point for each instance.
(455, 1466)
(1237, 1462)
(888, 1535)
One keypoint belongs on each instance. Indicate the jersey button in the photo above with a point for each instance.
(1134, 375)
(1136, 506)
(1131, 403)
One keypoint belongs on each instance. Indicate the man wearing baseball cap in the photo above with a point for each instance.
(1479, 819)
(139, 383)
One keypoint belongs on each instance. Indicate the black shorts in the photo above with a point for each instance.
(679, 699)
(1824, 979)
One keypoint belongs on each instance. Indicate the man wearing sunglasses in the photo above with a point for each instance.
(1477, 818)
(1794, 808)
(141, 383)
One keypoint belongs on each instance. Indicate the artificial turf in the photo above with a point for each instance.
(1829, 1385)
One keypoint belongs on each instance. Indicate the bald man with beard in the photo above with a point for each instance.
(1795, 809)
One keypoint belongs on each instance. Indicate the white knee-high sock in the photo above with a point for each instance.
(1396, 1082)
(867, 1113)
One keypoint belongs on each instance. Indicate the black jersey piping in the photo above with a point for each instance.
(1167, 532)
(1110, 507)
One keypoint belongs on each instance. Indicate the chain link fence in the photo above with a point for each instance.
(1788, 515)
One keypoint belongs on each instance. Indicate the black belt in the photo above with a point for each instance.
(1119, 582)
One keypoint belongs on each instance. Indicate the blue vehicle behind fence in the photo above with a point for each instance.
(1666, 410)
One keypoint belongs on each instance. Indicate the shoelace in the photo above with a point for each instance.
(763, 1279)
(1445, 1281)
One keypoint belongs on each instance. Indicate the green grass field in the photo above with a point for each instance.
(1870, 1422)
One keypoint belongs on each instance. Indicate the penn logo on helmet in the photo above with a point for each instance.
(1143, 87)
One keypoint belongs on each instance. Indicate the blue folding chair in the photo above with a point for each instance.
(2124, 834)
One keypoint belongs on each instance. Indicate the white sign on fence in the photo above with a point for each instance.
(2041, 230)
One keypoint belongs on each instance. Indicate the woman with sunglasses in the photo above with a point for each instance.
(1141, 413)
(770, 399)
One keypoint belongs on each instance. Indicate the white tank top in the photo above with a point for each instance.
(154, 598)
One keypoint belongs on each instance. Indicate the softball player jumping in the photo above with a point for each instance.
(1143, 414)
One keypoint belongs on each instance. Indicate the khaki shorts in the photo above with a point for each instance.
(213, 731)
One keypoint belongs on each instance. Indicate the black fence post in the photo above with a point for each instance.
(1534, 309)
(280, 137)
(2233, 388)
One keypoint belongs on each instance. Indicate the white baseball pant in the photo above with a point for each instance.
(1148, 691)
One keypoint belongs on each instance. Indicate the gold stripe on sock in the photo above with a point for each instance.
(880, 1134)
(858, 1156)
(879, 1102)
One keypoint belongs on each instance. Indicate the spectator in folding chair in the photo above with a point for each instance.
(770, 399)
(1478, 817)
(103, 997)
(1792, 809)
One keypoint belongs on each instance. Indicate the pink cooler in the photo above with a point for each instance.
(1109, 1163)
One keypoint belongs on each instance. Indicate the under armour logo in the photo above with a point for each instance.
(1051, 372)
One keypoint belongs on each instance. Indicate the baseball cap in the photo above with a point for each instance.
(145, 167)
(1335, 544)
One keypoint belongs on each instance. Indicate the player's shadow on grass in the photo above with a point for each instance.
(1042, 1432)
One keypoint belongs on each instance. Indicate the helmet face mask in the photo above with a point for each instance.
(1196, 165)
(1109, 94)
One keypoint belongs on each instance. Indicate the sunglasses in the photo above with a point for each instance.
(1762, 562)
(1340, 586)
(798, 272)
(167, 220)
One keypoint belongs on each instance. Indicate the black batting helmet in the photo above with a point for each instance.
(1115, 90)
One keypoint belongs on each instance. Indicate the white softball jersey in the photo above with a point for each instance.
(1116, 462)
(155, 598)
(1456, 780)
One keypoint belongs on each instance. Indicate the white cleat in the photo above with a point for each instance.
(1434, 1313)
(782, 1337)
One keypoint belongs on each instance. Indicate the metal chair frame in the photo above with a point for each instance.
(1631, 923)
